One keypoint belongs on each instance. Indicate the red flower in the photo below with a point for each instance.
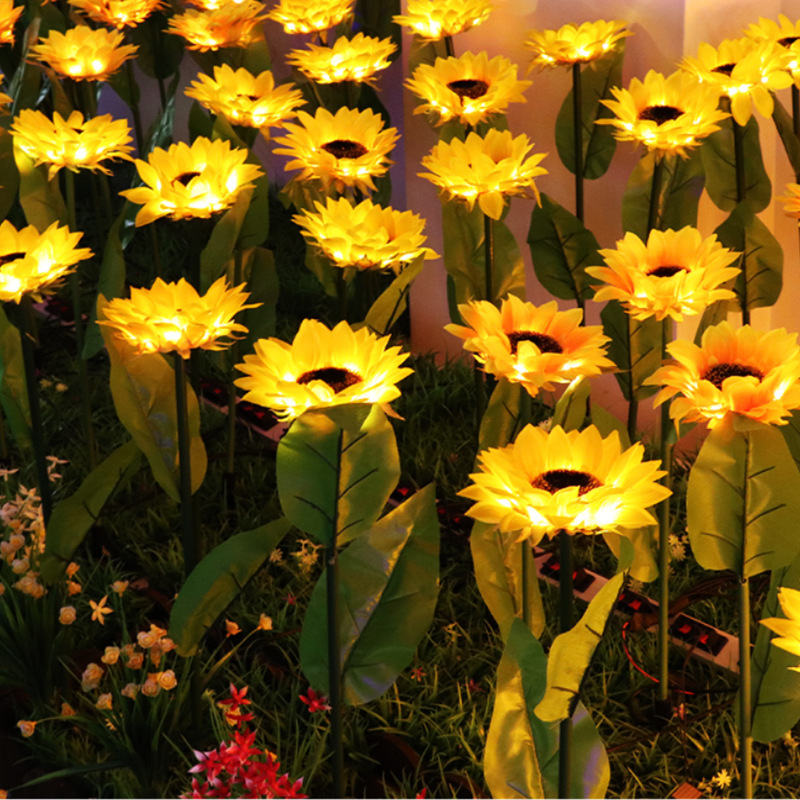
(315, 702)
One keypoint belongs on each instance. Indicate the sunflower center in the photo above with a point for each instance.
(787, 41)
(5, 259)
(660, 114)
(185, 177)
(337, 378)
(345, 148)
(469, 87)
(547, 344)
(666, 271)
(555, 479)
(717, 374)
(725, 69)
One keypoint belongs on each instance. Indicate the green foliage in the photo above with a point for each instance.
(8, 169)
(262, 283)
(502, 419)
(571, 408)
(393, 301)
(13, 388)
(785, 127)
(39, 197)
(219, 251)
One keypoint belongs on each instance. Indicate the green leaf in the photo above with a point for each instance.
(13, 387)
(217, 254)
(606, 423)
(262, 283)
(388, 586)
(598, 141)
(714, 314)
(785, 127)
(160, 131)
(393, 300)
(719, 165)
(743, 500)
(217, 580)
(255, 228)
(571, 654)
(570, 410)
(498, 572)
(75, 515)
(336, 471)
(761, 262)
(791, 434)
(8, 169)
(143, 391)
(642, 544)
(501, 420)
(159, 54)
(375, 18)
(256, 55)
(127, 89)
(561, 248)
(40, 198)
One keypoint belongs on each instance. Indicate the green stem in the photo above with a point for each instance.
(577, 126)
(528, 575)
(28, 337)
(655, 193)
(488, 257)
(185, 466)
(480, 398)
(741, 194)
(137, 117)
(565, 604)
(230, 476)
(745, 712)
(317, 95)
(796, 113)
(633, 403)
(449, 48)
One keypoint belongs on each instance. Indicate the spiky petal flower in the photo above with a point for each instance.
(358, 59)
(365, 236)
(788, 628)
(33, 263)
(73, 143)
(185, 181)
(575, 44)
(174, 318)
(348, 148)
(310, 16)
(667, 115)
(573, 481)
(739, 371)
(229, 25)
(535, 346)
(785, 33)
(322, 368)
(469, 88)
(83, 53)
(791, 202)
(745, 70)
(118, 13)
(675, 273)
(246, 99)
(484, 168)
(9, 14)
(432, 20)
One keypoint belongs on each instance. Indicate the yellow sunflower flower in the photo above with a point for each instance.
(535, 346)
(118, 13)
(310, 16)
(791, 202)
(322, 368)
(785, 33)
(185, 181)
(469, 88)
(229, 25)
(675, 273)
(365, 236)
(578, 482)
(349, 148)
(9, 14)
(432, 20)
(739, 371)
(575, 44)
(73, 143)
(83, 53)
(788, 629)
(246, 99)
(33, 263)
(666, 115)
(745, 70)
(358, 59)
(487, 169)
(174, 318)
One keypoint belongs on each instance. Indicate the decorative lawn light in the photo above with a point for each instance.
(357, 60)
(229, 25)
(310, 16)
(118, 13)
(433, 20)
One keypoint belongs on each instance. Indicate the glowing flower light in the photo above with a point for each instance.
(229, 25)
(33, 263)
(739, 371)
(469, 88)
(310, 16)
(785, 33)
(118, 13)
(365, 236)
(487, 169)
(83, 53)
(434, 19)
(357, 59)
(791, 202)
(322, 368)
(246, 99)
(185, 181)
(73, 143)
(744, 70)
(535, 346)
(676, 273)
(575, 44)
(9, 14)
(349, 148)
(573, 481)
(666, 115)
(174, 318)
(788, 629)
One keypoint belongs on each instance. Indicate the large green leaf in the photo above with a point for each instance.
(719, 165)
(336, 471)
(561, 248)
(761, 262)
(598, 141)
(255, 227)
(217, 580)
(74, 515)
(218, 253)
(393, 300)
(785, 127)
(498, 572)
(143, 391)
(262, 283)
(388, 585)
(570, 410)
(40, 198)
(571, 654)
(13, 387)
(743, 499)
(159, 54)
(521, 758)
(642, 544)
(501, 420)
(375, 18)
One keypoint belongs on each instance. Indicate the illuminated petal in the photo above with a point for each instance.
(118, 13)
(357, 60)
(83, 53)
(310, 16)
(434, 19)
(575, 44)
(229, 25)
